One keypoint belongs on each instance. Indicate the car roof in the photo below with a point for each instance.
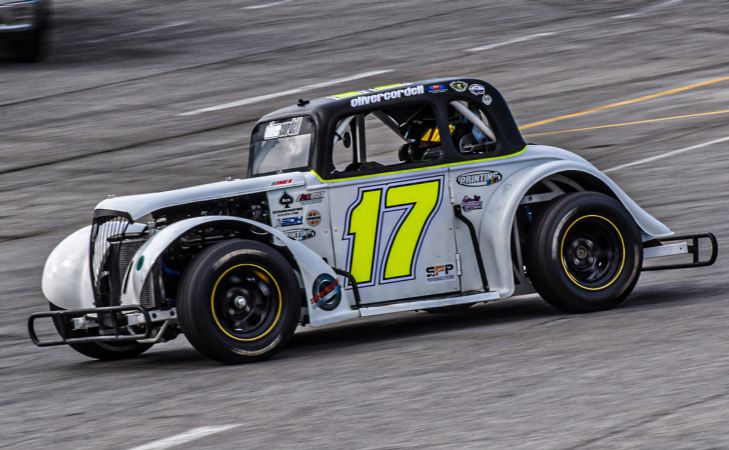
(438, 91)
(337, 102)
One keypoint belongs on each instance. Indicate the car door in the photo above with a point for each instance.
(394, 234)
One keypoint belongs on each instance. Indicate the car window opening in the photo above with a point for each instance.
(472, 134)
(387, 137)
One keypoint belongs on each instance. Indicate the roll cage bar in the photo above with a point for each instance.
(327, 113)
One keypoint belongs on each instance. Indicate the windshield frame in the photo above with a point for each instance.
(312, 146)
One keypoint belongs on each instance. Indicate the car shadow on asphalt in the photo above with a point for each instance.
(532, 311)
(671, 295)
(529, 311)
(411, 324)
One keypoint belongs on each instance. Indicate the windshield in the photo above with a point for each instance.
(281, 145)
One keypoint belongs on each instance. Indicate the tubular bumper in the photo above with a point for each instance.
(115, 325)
(692, 248)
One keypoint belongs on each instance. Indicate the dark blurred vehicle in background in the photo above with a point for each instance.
(23, 28)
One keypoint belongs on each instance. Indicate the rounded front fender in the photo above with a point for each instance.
(310, 265)
(66, 278)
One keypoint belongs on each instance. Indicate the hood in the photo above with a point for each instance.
(140, 205)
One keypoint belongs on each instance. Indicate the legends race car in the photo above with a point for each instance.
(414, 196)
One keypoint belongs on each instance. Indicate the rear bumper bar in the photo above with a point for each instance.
(692, 247)
(115, 325)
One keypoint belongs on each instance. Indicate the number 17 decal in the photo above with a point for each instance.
(417, 203)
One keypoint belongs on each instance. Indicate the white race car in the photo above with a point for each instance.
(414, 196)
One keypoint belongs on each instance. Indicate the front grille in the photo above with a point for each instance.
(110, 255)
(150, 292)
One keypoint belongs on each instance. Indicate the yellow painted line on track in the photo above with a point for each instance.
(625, 124)
(625, 102)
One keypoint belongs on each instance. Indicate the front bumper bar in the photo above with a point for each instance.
(115, 328)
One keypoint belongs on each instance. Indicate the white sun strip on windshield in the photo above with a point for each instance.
(275, 130)
(473, 118)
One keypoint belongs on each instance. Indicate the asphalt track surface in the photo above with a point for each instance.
(102, 116)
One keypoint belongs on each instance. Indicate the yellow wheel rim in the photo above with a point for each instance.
(622, 247)
(264, 275)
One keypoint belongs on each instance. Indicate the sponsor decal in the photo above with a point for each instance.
(287, 212)
(477, 89)
(276, 130)
(282, 182)
(313, 218)
(479, 178)
(471, 203)
(459, 86)
(364, 100)
(310, 197)
(441, 272)
(436, 88)
(285, 200)
(290, 221)
(486, 100)
(327, 292)
(300, 234)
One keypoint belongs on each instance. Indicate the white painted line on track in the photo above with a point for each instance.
(512, 41)
(266, 5)
(648, 10)
(261, 98)
(183, 438)
(530, 37)
(669, 154)
(146, 30)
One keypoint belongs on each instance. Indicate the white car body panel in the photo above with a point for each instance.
(316, 211)
(310, 265)
(66, 278)
(502, 199)
(435, 247)
(140, 205)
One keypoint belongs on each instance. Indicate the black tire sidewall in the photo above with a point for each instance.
(110, 351)
(193, 304)
(544, 262)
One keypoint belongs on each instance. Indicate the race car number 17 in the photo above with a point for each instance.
(418, 203)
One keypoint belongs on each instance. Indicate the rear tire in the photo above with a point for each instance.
(239, 301)
(584, 253)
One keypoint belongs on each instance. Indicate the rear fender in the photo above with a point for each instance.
(496, 225)
(308, 264)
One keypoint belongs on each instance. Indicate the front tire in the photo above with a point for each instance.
(584, 253)
(111, 351)
(239, 301)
